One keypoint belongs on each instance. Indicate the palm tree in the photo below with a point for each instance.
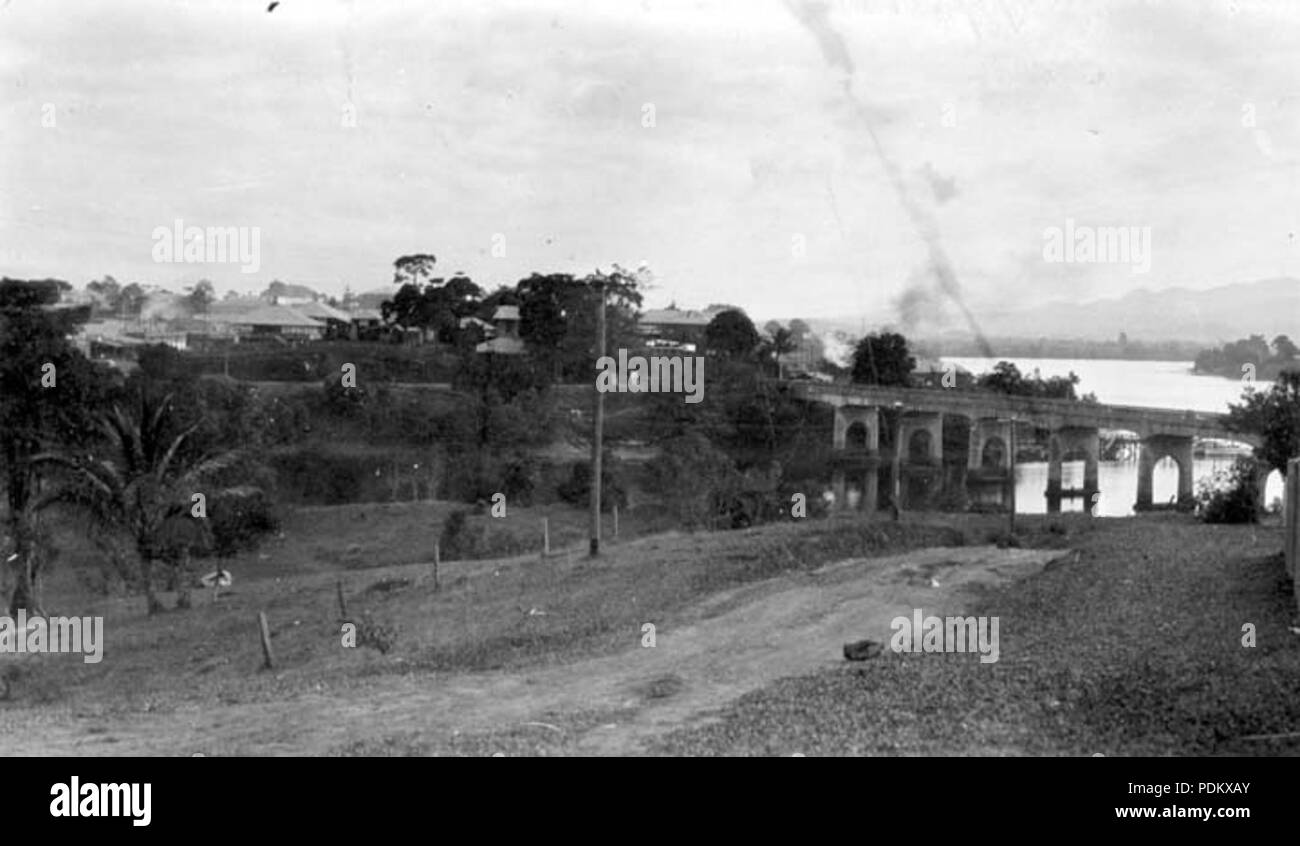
(141, 488)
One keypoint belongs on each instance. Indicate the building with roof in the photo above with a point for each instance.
(676, 325)
(505, 338)
(264, 321)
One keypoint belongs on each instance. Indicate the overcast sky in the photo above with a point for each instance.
(524, 126)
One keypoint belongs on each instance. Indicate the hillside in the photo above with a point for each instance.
(1210, 316)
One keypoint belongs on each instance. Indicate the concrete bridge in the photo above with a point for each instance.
(1073, 432)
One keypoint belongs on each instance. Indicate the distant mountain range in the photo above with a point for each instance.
(1212, 316)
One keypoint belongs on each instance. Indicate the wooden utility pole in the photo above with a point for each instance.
(598, 424)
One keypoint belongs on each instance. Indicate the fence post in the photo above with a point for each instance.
(266, 638)
(546, 537)
(616, 520)
(343, 605)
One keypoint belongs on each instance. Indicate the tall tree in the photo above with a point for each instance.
(200, 295)
(883, 359)
(107, 293)
(131, 301)
(435, 308)
(731, 334)
(47, 392)
(138, 482)
(1274, 415)
(413, 269)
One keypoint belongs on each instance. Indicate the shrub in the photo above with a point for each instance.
(696, 476)
(576, 490)
(240, 520)
(518, 477)
(320, 477)
(1232, 495)
(343, 401)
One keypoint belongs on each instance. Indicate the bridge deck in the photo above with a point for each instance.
(1047, 413)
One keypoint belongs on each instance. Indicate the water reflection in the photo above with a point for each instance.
(1118, 483)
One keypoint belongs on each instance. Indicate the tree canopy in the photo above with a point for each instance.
(1274, 415)
(883, 359)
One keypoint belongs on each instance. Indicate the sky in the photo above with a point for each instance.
(854, 157)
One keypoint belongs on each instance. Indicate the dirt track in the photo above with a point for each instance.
(732, 643)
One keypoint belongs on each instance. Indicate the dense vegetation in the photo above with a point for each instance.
(1249, 358)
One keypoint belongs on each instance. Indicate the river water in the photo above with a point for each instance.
(1158, 384)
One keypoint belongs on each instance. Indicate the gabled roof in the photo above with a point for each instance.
(677, 317)
(270, 315)
(506, 312)
(322, 311)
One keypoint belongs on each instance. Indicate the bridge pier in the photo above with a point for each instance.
(989, 462)
(1054, 462)
(920, 435)
(857, 421)
(1150, 452)
(856, 439)
(1062, 442)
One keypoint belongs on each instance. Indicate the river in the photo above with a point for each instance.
(1158, 384)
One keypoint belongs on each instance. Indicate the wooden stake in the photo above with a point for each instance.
(616, 519)
(343, 605)
(546, 537)
(266, 639)
(437, 559)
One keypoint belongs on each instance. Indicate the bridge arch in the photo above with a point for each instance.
(1167, 477)
(1155, 450)
(919, 446)
(857, 428)
(993, 454)
(856, 436)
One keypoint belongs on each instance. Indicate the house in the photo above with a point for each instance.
(366, 323)
(338, 323)
(254, 320)
(505, 339)
(487, 328)
(676, 325)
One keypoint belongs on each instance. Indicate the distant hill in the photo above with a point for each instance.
(1212, 316)
(1269, 307)
(374, 297)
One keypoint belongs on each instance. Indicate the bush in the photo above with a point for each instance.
(1232, 495)
(518, 477)
(317, 476)
(343, 401)
(239, 521)
(576, 490)
(696, 476)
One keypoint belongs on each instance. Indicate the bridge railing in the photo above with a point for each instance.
(1028, 406)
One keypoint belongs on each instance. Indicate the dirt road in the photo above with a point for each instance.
(721, 648)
